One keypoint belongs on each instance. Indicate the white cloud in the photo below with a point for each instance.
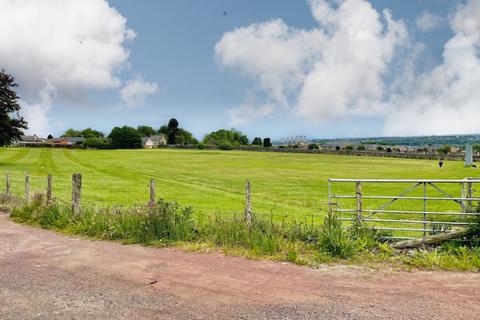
(446, 99)
(136, 91)
(360, 62)
(248, 112)
(73, 45)
(427, 21)
(331, 71)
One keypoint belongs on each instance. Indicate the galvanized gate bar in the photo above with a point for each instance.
(465, 201)
(404, 180)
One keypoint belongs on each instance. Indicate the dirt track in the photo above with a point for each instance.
(44, 275)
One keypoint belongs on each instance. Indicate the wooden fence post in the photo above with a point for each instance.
(76, 192)
(7, 184)
(469, 195)
(248, 204)
(151, 203)
(27, 187)
(49, 189)
(358, 192)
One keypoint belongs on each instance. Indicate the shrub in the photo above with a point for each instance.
(380, 148)
(97, 143)
(361, 148)
(313, 146)
(349, 148)
(334, 240)
(225, 146)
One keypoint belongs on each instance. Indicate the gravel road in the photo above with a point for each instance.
(45, 275)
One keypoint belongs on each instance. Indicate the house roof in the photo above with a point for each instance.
(145, 140)
(158, 138)
(33, 138)
(75, 139)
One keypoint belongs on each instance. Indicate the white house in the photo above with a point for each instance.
(154, 141)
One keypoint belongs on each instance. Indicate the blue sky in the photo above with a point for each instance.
(174, 49)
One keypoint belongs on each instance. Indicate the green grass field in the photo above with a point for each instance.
(213, 181)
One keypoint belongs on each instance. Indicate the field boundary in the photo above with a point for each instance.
(428, 224)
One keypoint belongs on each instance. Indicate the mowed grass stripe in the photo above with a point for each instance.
(213, 181)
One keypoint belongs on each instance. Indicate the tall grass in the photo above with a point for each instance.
(291, 240)
(167, 222)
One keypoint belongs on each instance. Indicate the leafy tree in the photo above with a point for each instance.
(313, 146)
(11, 123)
(146, 131)
(380, 148)
(91, 133)
(50, 137)
(349, 147)
(267, 143)
(257, 141)
(185, 137)
(163, 129)
(233, 137)
(72, 133)
(361, 148)
(125, 138)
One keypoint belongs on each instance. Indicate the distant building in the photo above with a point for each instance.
(454, 149)
(154, 141)
(159, 140)
(26, 141)
(67, 141)
(147, 142)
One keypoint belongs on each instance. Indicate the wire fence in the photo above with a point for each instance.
(293, 202)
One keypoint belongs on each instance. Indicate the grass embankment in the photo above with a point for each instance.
(296, 241)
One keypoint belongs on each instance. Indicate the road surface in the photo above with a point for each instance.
(45, 275)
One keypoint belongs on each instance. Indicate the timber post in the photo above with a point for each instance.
(76, 192)
(248, 203)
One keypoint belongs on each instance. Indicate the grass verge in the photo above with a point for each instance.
(167, 224)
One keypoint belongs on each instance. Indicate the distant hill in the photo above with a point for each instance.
(454, 140)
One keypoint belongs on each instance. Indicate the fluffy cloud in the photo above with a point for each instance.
(331, 71)
(360, 62)
(136, 91)
(72, 45)
(427, 21)
(446, 99)
(248, 112)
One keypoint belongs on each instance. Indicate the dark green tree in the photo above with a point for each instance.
(163, 129)
(172, 131)
(146, 131)
(267, 143)
(185, 137)
(11, 123)
(257, 141)
(91, 133)
(125, 138)
(223, 136)
(72, 133)
(50, 137)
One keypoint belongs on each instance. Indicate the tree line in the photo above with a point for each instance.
(125, 137)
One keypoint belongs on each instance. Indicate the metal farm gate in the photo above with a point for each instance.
(404, 208)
